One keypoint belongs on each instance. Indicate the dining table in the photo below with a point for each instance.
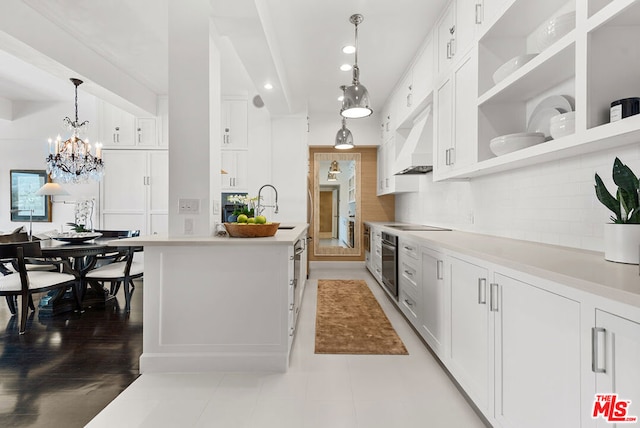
(79, 258)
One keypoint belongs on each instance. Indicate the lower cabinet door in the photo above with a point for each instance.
(537, 336)
(433, 291)
(616, 346)
(471, 344)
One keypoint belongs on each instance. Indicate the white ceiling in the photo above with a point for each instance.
(294, 44)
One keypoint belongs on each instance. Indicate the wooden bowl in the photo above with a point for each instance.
(244, 230)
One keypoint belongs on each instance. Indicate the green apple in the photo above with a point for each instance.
(251, 220)
(242, 218)
(261, 219)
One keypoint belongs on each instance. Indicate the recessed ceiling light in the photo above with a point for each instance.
(349, 49)
(268, 86)
(346, 67)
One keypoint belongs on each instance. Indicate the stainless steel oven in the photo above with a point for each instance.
(390, 263)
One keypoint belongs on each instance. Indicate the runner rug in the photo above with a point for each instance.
(349, 320)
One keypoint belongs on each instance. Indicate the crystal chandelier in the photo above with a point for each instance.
(71, 161)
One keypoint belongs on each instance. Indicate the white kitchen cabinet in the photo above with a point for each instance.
(416, 85)
(234, 124)
(409, 281)
(433, 286)
(471, 331)
(120, 129)
(537, 337)
(376, 253)
(134, 191)
(615, 360)
(455, 32)
(234, 163)
(456, 119)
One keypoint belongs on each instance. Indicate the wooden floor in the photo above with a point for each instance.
(66, 369)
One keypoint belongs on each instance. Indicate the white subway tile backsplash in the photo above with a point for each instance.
(553, 203)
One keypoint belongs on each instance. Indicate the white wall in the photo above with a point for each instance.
(290, 167)
(23, 145)
(553, 203)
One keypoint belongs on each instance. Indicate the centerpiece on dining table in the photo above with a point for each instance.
(246, 225)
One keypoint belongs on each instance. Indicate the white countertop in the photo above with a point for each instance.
(580, 269)
(282, 237)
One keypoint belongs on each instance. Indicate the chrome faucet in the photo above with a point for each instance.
(275, 211)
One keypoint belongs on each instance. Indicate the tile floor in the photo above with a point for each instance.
(318, 391)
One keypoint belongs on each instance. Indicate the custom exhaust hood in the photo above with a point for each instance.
(416, 154)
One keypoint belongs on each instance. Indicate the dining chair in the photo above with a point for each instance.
(119, 267)
(25, 283)
(122, 271)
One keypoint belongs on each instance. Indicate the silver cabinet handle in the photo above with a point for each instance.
(439, 265)
(494, 297)
(482, 291)
(290, 306)
(408, 272)
(453, 47)
(408, 248)
(478, 13)
(452, 156)
(408, 302)
(139, 135)
(595, 350)
(291, 332)
(449, 49)
(409, 100)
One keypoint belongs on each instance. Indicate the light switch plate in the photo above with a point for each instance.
(188, 206)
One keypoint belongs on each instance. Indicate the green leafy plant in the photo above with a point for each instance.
(625, 205)
(78, 227)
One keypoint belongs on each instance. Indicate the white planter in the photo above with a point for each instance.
(622, 243)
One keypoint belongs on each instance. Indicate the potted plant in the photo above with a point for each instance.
(622, 236)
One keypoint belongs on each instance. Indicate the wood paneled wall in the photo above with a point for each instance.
(374, 208)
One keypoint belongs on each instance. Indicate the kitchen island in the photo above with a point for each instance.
(221, 303)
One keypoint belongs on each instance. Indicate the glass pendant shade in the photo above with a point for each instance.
(344, 138)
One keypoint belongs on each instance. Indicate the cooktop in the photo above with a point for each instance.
(415, 227)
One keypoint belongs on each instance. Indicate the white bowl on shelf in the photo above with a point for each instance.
(555, 29)
(511, 142)
(510, 66)
(562, 125)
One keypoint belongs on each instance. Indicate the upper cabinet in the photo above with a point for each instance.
(456, 32)
(579, 60)
(234, 124)
(120, 129)
(416, 85)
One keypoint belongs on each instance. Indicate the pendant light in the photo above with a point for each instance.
(356, 97)
(334, 168)
(344, 138)
(331, 177)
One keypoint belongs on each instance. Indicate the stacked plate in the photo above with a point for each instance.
(512, 142)
(540, 119)
(555, 29)
(510, 66)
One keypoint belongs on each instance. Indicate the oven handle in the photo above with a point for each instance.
(391, 247)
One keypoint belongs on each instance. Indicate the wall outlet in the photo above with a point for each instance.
(188, 206)
(188, 226)
(216, 207)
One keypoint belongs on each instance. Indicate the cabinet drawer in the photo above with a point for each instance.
(408, 249)
(409, 306)
(408, 273)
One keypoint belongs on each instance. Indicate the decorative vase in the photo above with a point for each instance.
(232, 218)
(622, 242)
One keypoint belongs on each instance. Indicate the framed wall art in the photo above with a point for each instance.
(25, 204)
